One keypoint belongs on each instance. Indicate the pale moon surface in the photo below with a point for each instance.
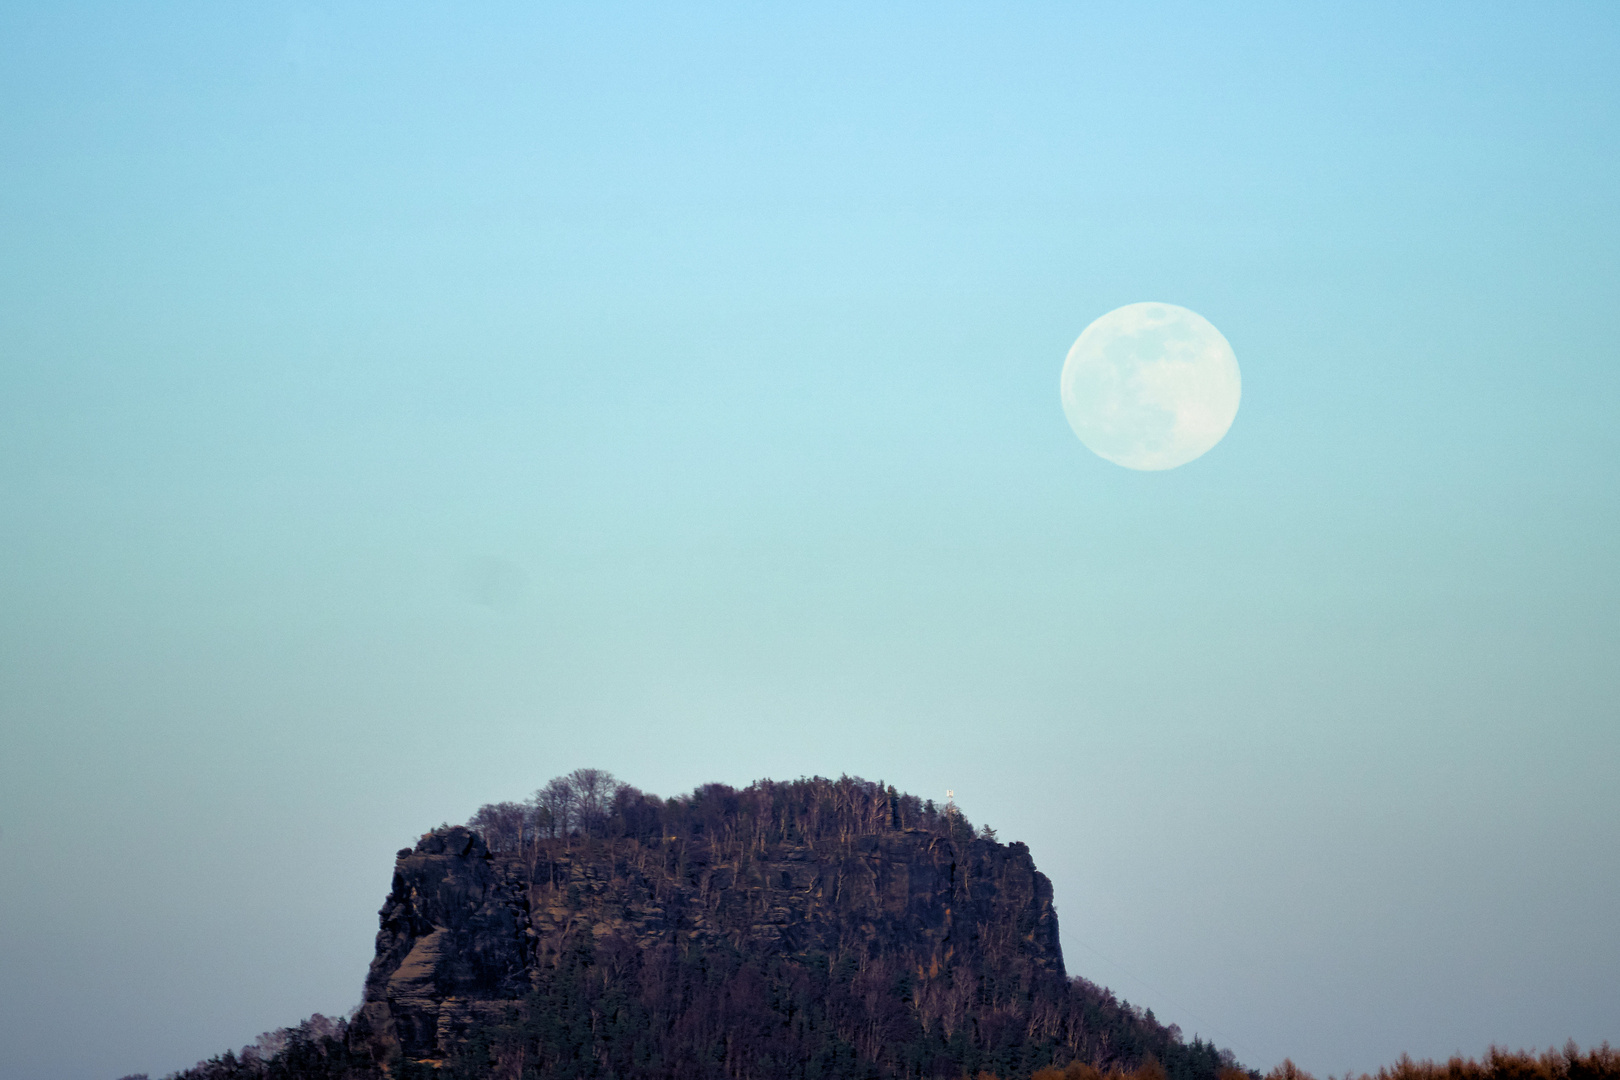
(1151, 386)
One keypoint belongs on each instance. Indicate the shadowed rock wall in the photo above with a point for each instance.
(465, 930)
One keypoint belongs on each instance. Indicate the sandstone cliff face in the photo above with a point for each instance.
(451, 943)
(465, 931)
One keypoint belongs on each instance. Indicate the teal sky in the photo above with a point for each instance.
(401, 405)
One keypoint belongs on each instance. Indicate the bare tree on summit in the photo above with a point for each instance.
(554, 805)
(504, 826)
(594, 790)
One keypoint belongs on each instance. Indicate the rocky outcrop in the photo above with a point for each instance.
(817, 928)
(453, 943)
(464, 930)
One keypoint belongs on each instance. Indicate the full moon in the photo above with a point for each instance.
(1151, 386)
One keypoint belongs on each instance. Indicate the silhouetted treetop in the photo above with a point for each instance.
(591, 803)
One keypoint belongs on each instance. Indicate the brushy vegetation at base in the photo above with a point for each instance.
(318, 1052)
(1570, 1063)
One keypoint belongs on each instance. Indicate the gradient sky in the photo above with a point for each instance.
(403, 404)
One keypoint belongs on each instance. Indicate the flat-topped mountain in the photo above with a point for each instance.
(810, 929)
